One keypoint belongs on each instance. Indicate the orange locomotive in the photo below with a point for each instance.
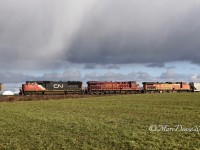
(105, 87)
(159, 87)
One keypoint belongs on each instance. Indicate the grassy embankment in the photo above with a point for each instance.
(111, 122)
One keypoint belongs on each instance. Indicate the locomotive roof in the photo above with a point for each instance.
(50, 81)
(109, 81)
(162, 82)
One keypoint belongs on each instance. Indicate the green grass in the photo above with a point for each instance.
(111, 122)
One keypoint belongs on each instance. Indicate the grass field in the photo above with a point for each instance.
(110, 122)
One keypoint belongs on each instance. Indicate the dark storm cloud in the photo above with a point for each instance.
(90, 66)
(159, 65)
(132, 31)
(112, 66)
(25, 29)
(33, 32)
(107, 66)
(42, 34)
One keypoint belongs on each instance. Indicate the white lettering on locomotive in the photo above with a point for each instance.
(58, 86)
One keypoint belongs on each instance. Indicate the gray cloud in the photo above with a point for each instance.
(48, 35)
(112, 66)
(107, 66)
(11, 77)
(159, 65)
(68, 75)
(90, 66)
(75, 75)
(33, 33)
(113, 76)
(143, 31)
(171, 75)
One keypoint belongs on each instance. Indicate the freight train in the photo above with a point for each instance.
(107, 87)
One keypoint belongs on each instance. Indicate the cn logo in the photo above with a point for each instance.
(58, 86)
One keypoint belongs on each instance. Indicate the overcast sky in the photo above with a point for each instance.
(99, 40)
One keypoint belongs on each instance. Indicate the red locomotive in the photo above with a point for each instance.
(99, 87)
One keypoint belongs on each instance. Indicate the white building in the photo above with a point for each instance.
(8, 93)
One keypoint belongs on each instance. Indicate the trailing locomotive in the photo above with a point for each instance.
(160, 87)
(51, 87)
(98, 87)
